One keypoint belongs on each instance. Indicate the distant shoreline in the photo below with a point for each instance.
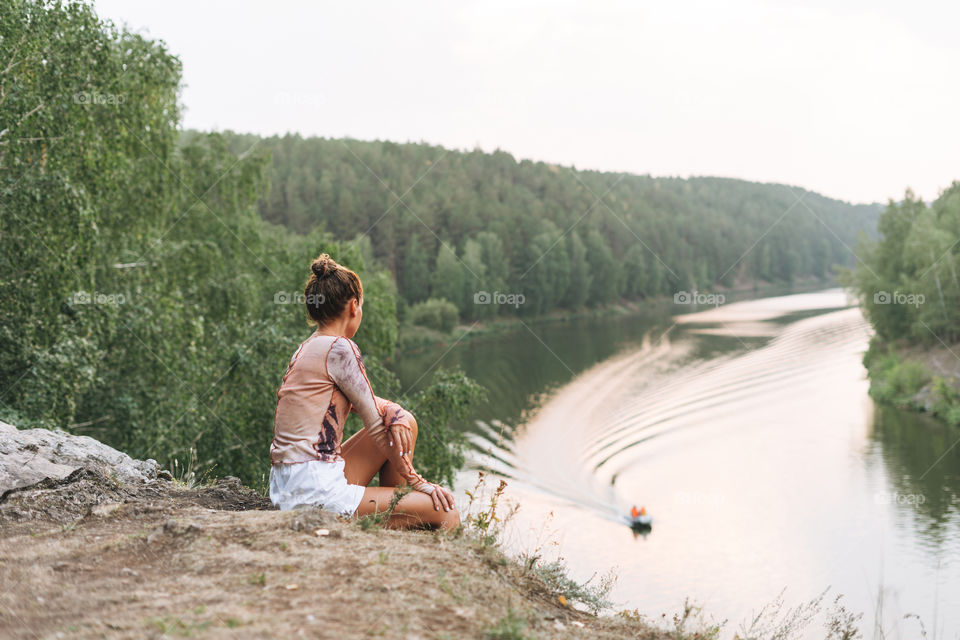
(413, 339)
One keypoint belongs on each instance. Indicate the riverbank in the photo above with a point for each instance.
(412, 338)
(923, 378)
(112, 547)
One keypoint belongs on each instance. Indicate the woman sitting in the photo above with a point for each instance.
(324, 382)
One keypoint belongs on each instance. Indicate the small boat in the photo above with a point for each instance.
(639, 520)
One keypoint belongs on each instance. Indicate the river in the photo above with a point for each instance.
(747, 432)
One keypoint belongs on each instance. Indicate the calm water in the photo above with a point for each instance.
(747, 432)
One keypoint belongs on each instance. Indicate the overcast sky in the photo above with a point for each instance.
(856, 100)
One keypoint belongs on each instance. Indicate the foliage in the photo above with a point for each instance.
(511, 627)
(908, 286)
(841, 624)
(554, 575)
(946, 403)
(893, 380)
(143, 300)
(472, 221)
(435, 313)
(776, 621)
(901, 380)
(486, 529)
(907, 279)
(445, 401)
(484, 523)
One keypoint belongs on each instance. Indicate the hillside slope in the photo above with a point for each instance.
(449, 223)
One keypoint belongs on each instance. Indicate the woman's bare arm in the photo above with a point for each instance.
(347, 371)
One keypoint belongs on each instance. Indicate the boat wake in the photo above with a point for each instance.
(610, 417)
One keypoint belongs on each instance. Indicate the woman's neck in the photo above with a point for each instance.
(332, 329)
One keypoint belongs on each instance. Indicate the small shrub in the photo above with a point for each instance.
(892, 379)
(434, 313)
(510, 627)
(485, 527)
(842, 624)
(554, 576)
(946, 401)
(775, 621)
(480, 524)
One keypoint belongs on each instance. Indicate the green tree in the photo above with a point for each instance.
(416, 271)
(635, 271)
(701, 231)
(603, 268)
(548, 276)
(477, 280)
(143, 298)
(578, 289)
(448, 279)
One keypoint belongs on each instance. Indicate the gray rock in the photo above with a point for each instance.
(310, 518)
(924, 399)
(172, 529)
(30, 456)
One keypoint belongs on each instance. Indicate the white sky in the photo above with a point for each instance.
(857, 100)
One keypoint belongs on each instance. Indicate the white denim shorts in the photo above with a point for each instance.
(315, 482)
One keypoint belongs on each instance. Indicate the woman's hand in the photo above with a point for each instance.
(442, 497)
(399, 436)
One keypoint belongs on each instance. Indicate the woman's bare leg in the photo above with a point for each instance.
(364, 459)
(413, 510)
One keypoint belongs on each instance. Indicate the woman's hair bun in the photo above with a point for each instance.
(323, 266)
(326, 297)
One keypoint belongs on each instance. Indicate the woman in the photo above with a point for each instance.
(326, 380)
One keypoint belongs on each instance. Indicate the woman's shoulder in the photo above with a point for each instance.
(316, 346)
(342, 347)
(327, 346)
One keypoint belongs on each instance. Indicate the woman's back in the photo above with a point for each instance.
(311, 409)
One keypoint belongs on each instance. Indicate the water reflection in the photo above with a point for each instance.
(747, 432)
(521, 367)
(921, 459)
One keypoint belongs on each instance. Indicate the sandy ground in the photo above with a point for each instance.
(218, 561)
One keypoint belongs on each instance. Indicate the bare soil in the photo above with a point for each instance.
(89, 558)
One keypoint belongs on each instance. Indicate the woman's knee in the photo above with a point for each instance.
(395, 414)
(451, 519)
(440, 519)
(412, 422)
(419, 508)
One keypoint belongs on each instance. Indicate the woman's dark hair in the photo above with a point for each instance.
(329, 289)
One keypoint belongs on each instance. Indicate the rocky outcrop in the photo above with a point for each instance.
(31, 456)
(54, 476)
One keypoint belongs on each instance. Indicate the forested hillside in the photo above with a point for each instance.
(143, 300)
(449, 224)
(909, 289)
(908, 278)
